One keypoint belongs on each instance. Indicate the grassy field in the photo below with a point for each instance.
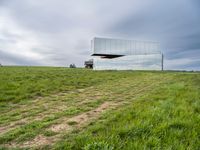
(79, 109)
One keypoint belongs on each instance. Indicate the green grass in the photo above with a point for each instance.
(159, 110)
(24, 83)
(167, 118)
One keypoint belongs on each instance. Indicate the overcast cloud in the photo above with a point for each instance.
(58, 32)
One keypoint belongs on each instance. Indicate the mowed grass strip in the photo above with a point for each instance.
(46, 105)
(34, 128)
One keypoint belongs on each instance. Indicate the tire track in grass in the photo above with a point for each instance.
(37, 104)
(40, 116)
(79, 121)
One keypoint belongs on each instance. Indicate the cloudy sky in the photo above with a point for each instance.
(58, 32)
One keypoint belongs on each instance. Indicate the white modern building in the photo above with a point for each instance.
(117, 54)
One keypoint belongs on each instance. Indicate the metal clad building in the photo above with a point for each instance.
(117, 54)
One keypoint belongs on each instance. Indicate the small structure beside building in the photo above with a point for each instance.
(89, 64)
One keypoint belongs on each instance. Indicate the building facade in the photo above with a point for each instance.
(118, 54)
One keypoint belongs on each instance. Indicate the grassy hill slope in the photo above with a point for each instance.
(60, 108)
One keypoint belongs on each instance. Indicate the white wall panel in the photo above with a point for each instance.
(132, 62)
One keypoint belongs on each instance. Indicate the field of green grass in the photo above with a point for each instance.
(80, 109)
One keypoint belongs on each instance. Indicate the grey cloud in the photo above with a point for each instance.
(61, 30)
(36, 17)
(10, 59)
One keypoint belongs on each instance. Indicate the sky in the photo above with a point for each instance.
(59, 32)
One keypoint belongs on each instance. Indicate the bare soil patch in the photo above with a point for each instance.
(80, 119)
